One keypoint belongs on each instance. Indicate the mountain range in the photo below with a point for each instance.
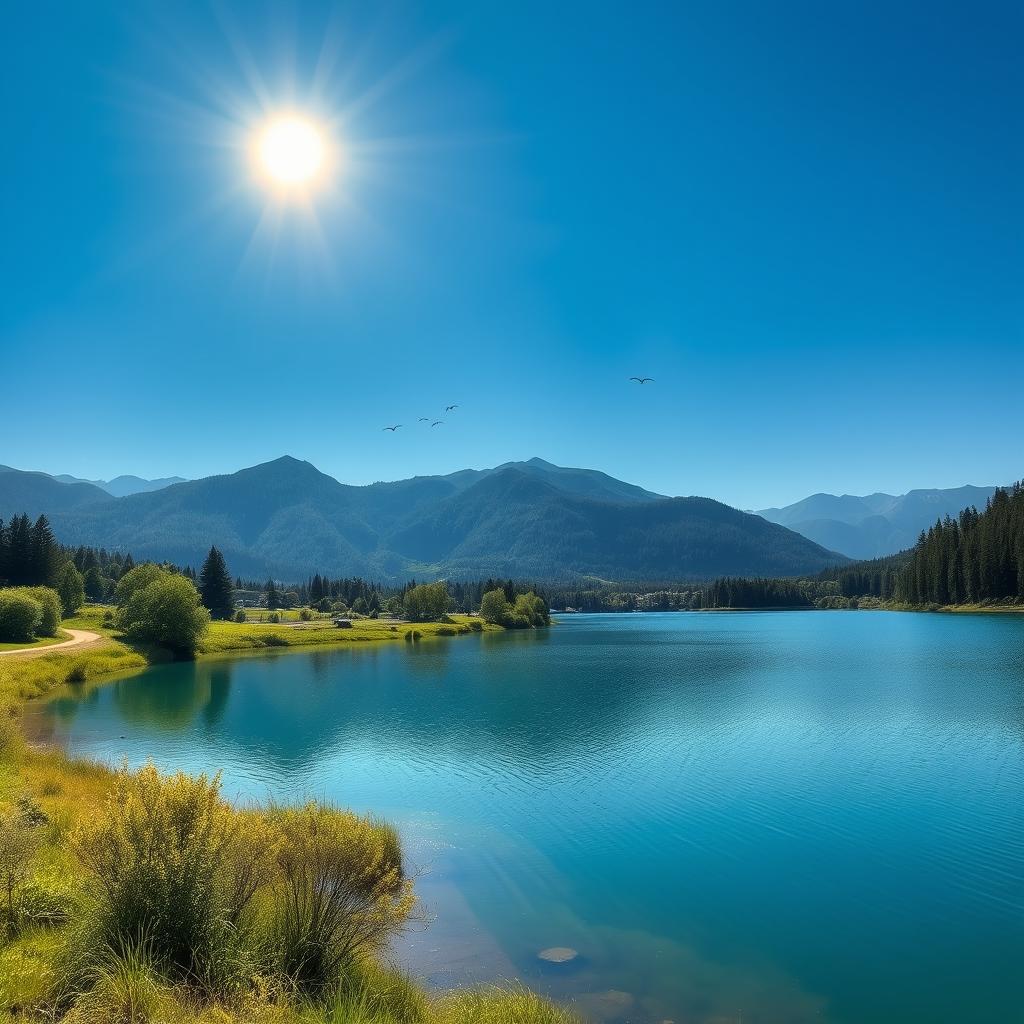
(121, 486)
(874, 525)
(525, 519)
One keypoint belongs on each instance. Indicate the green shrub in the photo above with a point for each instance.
(341, 895)
(20, 616)
(240, 615)
(476, 625)
(52, 609)
(174, 867)
(166, 611)
(447, 631)
(137, 579)
(412, 635)
(306, 614)
(273, 617)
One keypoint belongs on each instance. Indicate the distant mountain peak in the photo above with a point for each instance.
(874, 525)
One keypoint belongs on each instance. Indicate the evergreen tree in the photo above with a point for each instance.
(273, 599)
(215, 586)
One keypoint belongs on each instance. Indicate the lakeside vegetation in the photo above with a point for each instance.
(136, 897)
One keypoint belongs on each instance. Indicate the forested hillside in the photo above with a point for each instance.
(524, 520)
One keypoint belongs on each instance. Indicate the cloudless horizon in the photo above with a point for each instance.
(806, 223)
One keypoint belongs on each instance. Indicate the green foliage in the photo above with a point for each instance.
(166, 611)
(240, 615)
(273, 617)
(427, 602)
(342, 893)
(174, 868)
(136, 579)
(216, 586)
(495, 607)
(71, 588)
(306, 614)
(50, 607)
(20, 616)
(528, 610)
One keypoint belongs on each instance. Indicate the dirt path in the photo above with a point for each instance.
(79, 638)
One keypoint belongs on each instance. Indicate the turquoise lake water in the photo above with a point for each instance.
(766, 817)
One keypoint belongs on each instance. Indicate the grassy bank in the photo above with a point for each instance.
(222, 930)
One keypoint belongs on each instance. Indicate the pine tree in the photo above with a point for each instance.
(215, 586)
(273, 599)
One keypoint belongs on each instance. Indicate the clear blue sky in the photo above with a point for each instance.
(805, 220)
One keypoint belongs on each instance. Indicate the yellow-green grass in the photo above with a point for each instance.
(241, 636)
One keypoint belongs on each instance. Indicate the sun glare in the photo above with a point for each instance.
(292, 152)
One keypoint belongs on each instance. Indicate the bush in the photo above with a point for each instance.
(273, 617)
(166, 611)
(78, 673)
(20, 616)
(240, 615)
(342, 893)
(427, 602)
(306, 614)
(174, 867)
(52, 609)
(137, 579)
(411, 635)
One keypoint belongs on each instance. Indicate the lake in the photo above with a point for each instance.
(758, 817)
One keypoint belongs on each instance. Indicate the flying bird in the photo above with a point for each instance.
(392, 429)
(424, 419)
(448, 408)
(437, 423)
(642, 380)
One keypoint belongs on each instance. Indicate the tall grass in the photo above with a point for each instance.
(340, 896)
(500, 1006)
(174, 867)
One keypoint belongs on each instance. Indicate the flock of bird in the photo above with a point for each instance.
(452, 408)
(424, 419)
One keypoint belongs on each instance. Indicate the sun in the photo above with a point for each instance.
(292, 152)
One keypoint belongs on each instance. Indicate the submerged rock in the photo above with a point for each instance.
(558, 955)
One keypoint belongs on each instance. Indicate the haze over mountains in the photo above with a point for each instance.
(525, 519)
(125, 484)
(874, 524)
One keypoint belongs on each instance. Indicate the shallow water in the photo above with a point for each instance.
(766, 817)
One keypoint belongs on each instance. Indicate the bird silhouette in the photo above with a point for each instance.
(437, 423)
(448, 408)
(424, 419)
(642, 380)
(392, 429)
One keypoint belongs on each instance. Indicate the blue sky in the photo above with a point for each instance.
(805, 220)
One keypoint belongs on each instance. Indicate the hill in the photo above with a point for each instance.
(529, 519)
(874, 525)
